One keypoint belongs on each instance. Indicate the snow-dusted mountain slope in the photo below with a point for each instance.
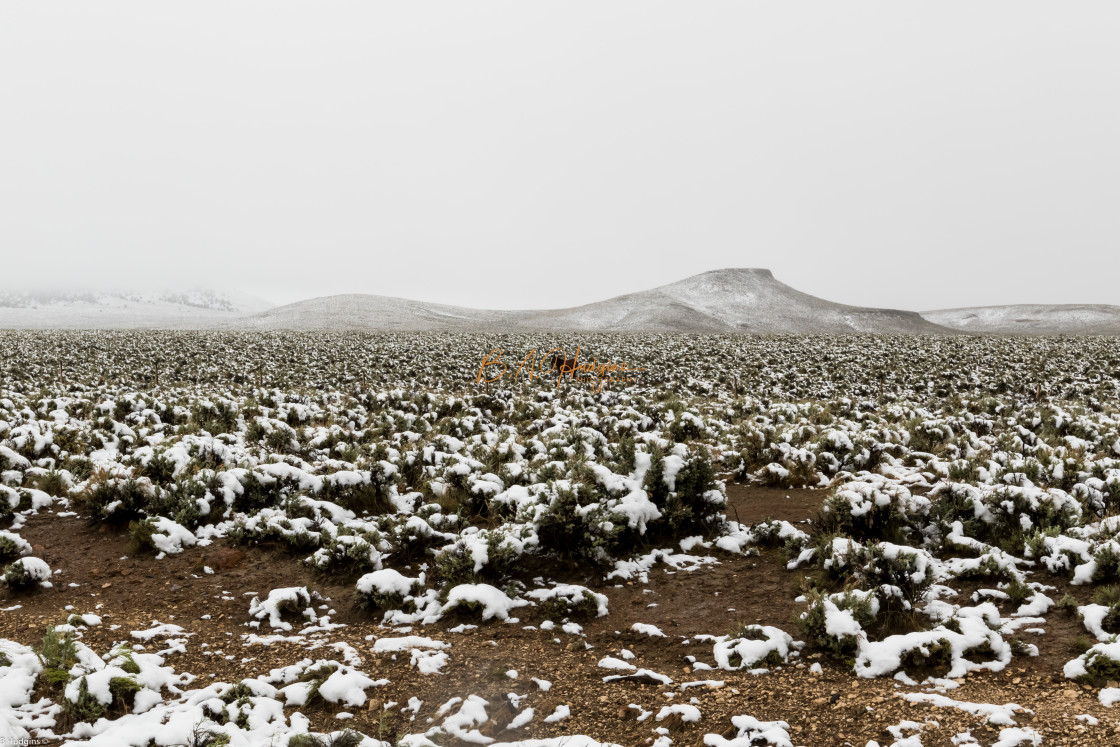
(197, 309)
(731, 300)
(1032, 319)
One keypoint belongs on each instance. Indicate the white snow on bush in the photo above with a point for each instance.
(572, 595)
(21, 546)
(170, 537)
(295, 599)
(388, 582)
(1105, 653)
(764, 641)
(492, 601)
(877, 658)
(34, 568)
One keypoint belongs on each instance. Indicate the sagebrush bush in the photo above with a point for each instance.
(873, 511)
(573, 530)
(59, 653)
(117, 500)
(930, 657)
(19, 576)
(813, 627)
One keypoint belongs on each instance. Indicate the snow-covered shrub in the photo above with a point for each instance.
(9, 502)
(26, 573)
(159, 534)
(387, 589)
(569, 601)
(291, 601)
(413, 538)
(1106, 562)
(790, 467)
(992, 565)
(750, 731)
(481, 600)
(753, 647)
(934, 655)
(362, 492)
(307, 690)
(87, 687)
(973, 639)
(873, 509)
(343, 738)
(1100, 662)
(929, 436)
(898, 575)
(684, 489)
(350, 551)
(58, 654)
(696, 502)
(576, 528)
(189, 500)
(489, 556)
(117, 499)
(769, 533)
(954, 502)
(109, 697)
(12, 545)
(834, 623)
(1102, 619)
(1006, 516)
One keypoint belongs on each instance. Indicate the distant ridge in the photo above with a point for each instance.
(96, 309)
(738, 300)
(1031, 319)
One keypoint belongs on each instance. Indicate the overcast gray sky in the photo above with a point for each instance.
(542, 154)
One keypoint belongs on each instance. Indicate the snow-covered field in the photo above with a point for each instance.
(311, 539)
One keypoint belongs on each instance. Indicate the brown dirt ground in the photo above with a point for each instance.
(832, 708)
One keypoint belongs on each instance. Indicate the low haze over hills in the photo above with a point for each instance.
(193, 309)
(1032, 319)
(749, 301)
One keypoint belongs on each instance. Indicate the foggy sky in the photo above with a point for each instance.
(540, 154)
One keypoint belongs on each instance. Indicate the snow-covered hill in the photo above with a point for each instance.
(1031, 319)
(731, 300)
(195, 309)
